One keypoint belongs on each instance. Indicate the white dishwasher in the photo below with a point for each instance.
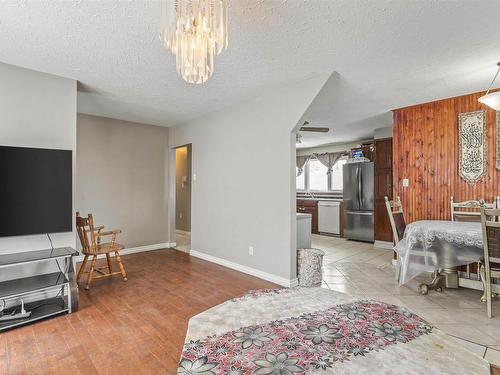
(329, 217)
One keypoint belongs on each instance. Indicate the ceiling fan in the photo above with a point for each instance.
(304, 128)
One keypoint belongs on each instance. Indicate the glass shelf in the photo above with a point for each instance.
(39, 310)
(13, 259)
(19, 287)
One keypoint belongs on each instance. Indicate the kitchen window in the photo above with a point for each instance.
(301, 180)
(314, 177)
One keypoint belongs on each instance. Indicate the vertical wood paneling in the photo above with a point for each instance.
(425, 150)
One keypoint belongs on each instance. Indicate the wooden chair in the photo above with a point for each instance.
(398, 223)
(491, 240)
(93, 247)
(470, 211)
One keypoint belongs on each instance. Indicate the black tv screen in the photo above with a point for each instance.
(35, 191)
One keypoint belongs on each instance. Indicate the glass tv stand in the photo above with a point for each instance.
(40, 296)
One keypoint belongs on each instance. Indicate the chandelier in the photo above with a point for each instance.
(195, 31)
(492, 100)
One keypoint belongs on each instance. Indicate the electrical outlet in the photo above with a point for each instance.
(250, 250)
(406, 182)
(180, 215)
(194, 176)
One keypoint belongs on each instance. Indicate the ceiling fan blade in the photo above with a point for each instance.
(313, 129)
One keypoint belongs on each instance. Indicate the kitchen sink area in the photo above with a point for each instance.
(326, 213)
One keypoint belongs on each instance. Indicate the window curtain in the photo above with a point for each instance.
(301, 162)
(328, 159)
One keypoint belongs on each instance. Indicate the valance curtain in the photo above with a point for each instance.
(301, 161)
(328, 159)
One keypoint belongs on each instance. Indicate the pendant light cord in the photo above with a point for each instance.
(494, 78)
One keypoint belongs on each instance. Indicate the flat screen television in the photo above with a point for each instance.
(35, 191)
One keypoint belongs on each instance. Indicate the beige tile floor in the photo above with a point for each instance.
(361, 269)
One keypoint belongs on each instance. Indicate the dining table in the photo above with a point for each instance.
(438, 246)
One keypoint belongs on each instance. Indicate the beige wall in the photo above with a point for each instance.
(183, 188)
(121, 177)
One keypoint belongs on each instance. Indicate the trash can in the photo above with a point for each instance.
(310, 267)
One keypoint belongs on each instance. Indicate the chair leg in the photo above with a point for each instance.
(108, 258)
(483, 281)
(92, 267)
(120, 264)
(398, 271)
(82, 268)
(488, 291)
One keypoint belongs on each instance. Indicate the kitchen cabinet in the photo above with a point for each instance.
(383, 187)
(309, 206)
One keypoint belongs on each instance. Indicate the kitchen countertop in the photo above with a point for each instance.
(321, 199)
(301, 215)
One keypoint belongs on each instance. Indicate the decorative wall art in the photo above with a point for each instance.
(498, 141)
(472, 146)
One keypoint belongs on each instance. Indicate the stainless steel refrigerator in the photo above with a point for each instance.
(358, 201)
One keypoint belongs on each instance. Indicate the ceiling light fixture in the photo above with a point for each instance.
(492, 100)
(195, 31)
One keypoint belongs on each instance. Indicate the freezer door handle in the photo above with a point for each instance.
(360, 188)
(358, 175)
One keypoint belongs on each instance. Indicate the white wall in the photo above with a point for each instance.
(244, 193)
(37, 110)
(381, 133)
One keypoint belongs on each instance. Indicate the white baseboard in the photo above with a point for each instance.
(248, 270)
(133, 250)
(294, 283)
(383, 245)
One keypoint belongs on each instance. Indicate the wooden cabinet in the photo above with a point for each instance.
(383, 187)
(309, 206)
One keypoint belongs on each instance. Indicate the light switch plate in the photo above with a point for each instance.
(406, 182)
(194, 176)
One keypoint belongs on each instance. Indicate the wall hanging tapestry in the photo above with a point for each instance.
(498, 141)
(472, 145)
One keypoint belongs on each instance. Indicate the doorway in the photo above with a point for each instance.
(183, 198)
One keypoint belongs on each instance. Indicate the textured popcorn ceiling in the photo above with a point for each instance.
(387, 54)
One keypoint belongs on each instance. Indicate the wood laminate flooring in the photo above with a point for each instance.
(132, 327)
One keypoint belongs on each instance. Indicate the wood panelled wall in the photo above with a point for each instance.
(425, 150)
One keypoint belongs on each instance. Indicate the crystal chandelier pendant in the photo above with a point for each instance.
(195, 31)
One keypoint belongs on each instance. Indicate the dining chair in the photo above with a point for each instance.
(398, 224)
(490, 266)
(470, 211)
(92, 247)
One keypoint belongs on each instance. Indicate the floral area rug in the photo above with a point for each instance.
(313, 330)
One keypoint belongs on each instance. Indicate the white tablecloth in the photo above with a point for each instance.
(429, 245)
